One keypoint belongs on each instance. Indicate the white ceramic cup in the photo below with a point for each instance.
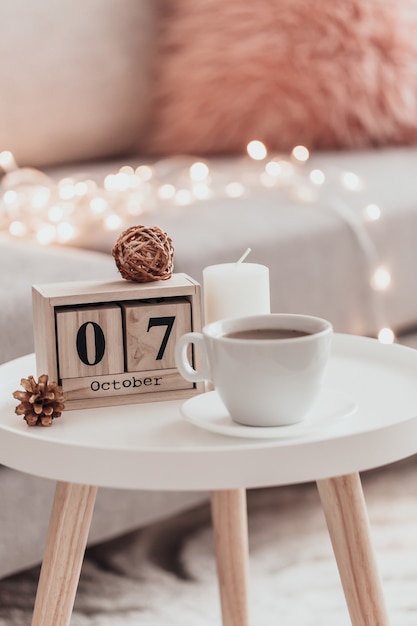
(261, 381)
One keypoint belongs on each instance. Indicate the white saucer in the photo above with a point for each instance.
(207, 411)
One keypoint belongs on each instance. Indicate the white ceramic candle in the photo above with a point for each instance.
(235, 290)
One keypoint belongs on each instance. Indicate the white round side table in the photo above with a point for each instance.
(152, 446)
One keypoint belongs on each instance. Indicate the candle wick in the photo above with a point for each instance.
(244, 255)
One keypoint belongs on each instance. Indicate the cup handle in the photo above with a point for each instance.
(181, 358)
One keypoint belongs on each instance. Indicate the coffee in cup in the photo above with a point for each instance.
(267, 369)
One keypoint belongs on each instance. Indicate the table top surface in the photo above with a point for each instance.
(152, 446)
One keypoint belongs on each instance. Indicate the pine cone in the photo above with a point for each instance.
(41, 401)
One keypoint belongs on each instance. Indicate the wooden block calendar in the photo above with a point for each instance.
(110, 343)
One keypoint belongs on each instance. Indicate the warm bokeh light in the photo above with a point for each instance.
(201, 191)
(317, 177)
(40, 197)
(10, 197)
(46, 234)
(7, 162)
(81, 188)
(372, 213)
(386, 335)
(98, 205)
(199, 171)
(381, 279)
(56, 213)
(256, 150)
(17, 229)
(351, 181)
(113, 222)
(273, 168)
(183, 197)
(117, 182)
(144, 172)
(166, 192)
(300, 153)
(66, 189)
(65, 232)
(235, 190)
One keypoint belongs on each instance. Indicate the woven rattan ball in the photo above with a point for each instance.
(144, 254)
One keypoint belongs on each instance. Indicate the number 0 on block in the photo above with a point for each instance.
(90, 341)
(113, 343)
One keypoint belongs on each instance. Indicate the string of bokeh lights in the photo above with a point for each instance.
(34, 205)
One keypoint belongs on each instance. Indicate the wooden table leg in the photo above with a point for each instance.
(230, 526)
(347, 520)
(70, 521)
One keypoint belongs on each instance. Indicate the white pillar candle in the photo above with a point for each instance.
(235, 290)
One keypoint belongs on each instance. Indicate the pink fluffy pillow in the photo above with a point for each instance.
(324, 73)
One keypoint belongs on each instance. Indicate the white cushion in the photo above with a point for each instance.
(74, 78)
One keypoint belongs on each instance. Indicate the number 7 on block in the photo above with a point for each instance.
(152, 330)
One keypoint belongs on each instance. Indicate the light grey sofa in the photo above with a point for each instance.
(320, 249)
(317, 266)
